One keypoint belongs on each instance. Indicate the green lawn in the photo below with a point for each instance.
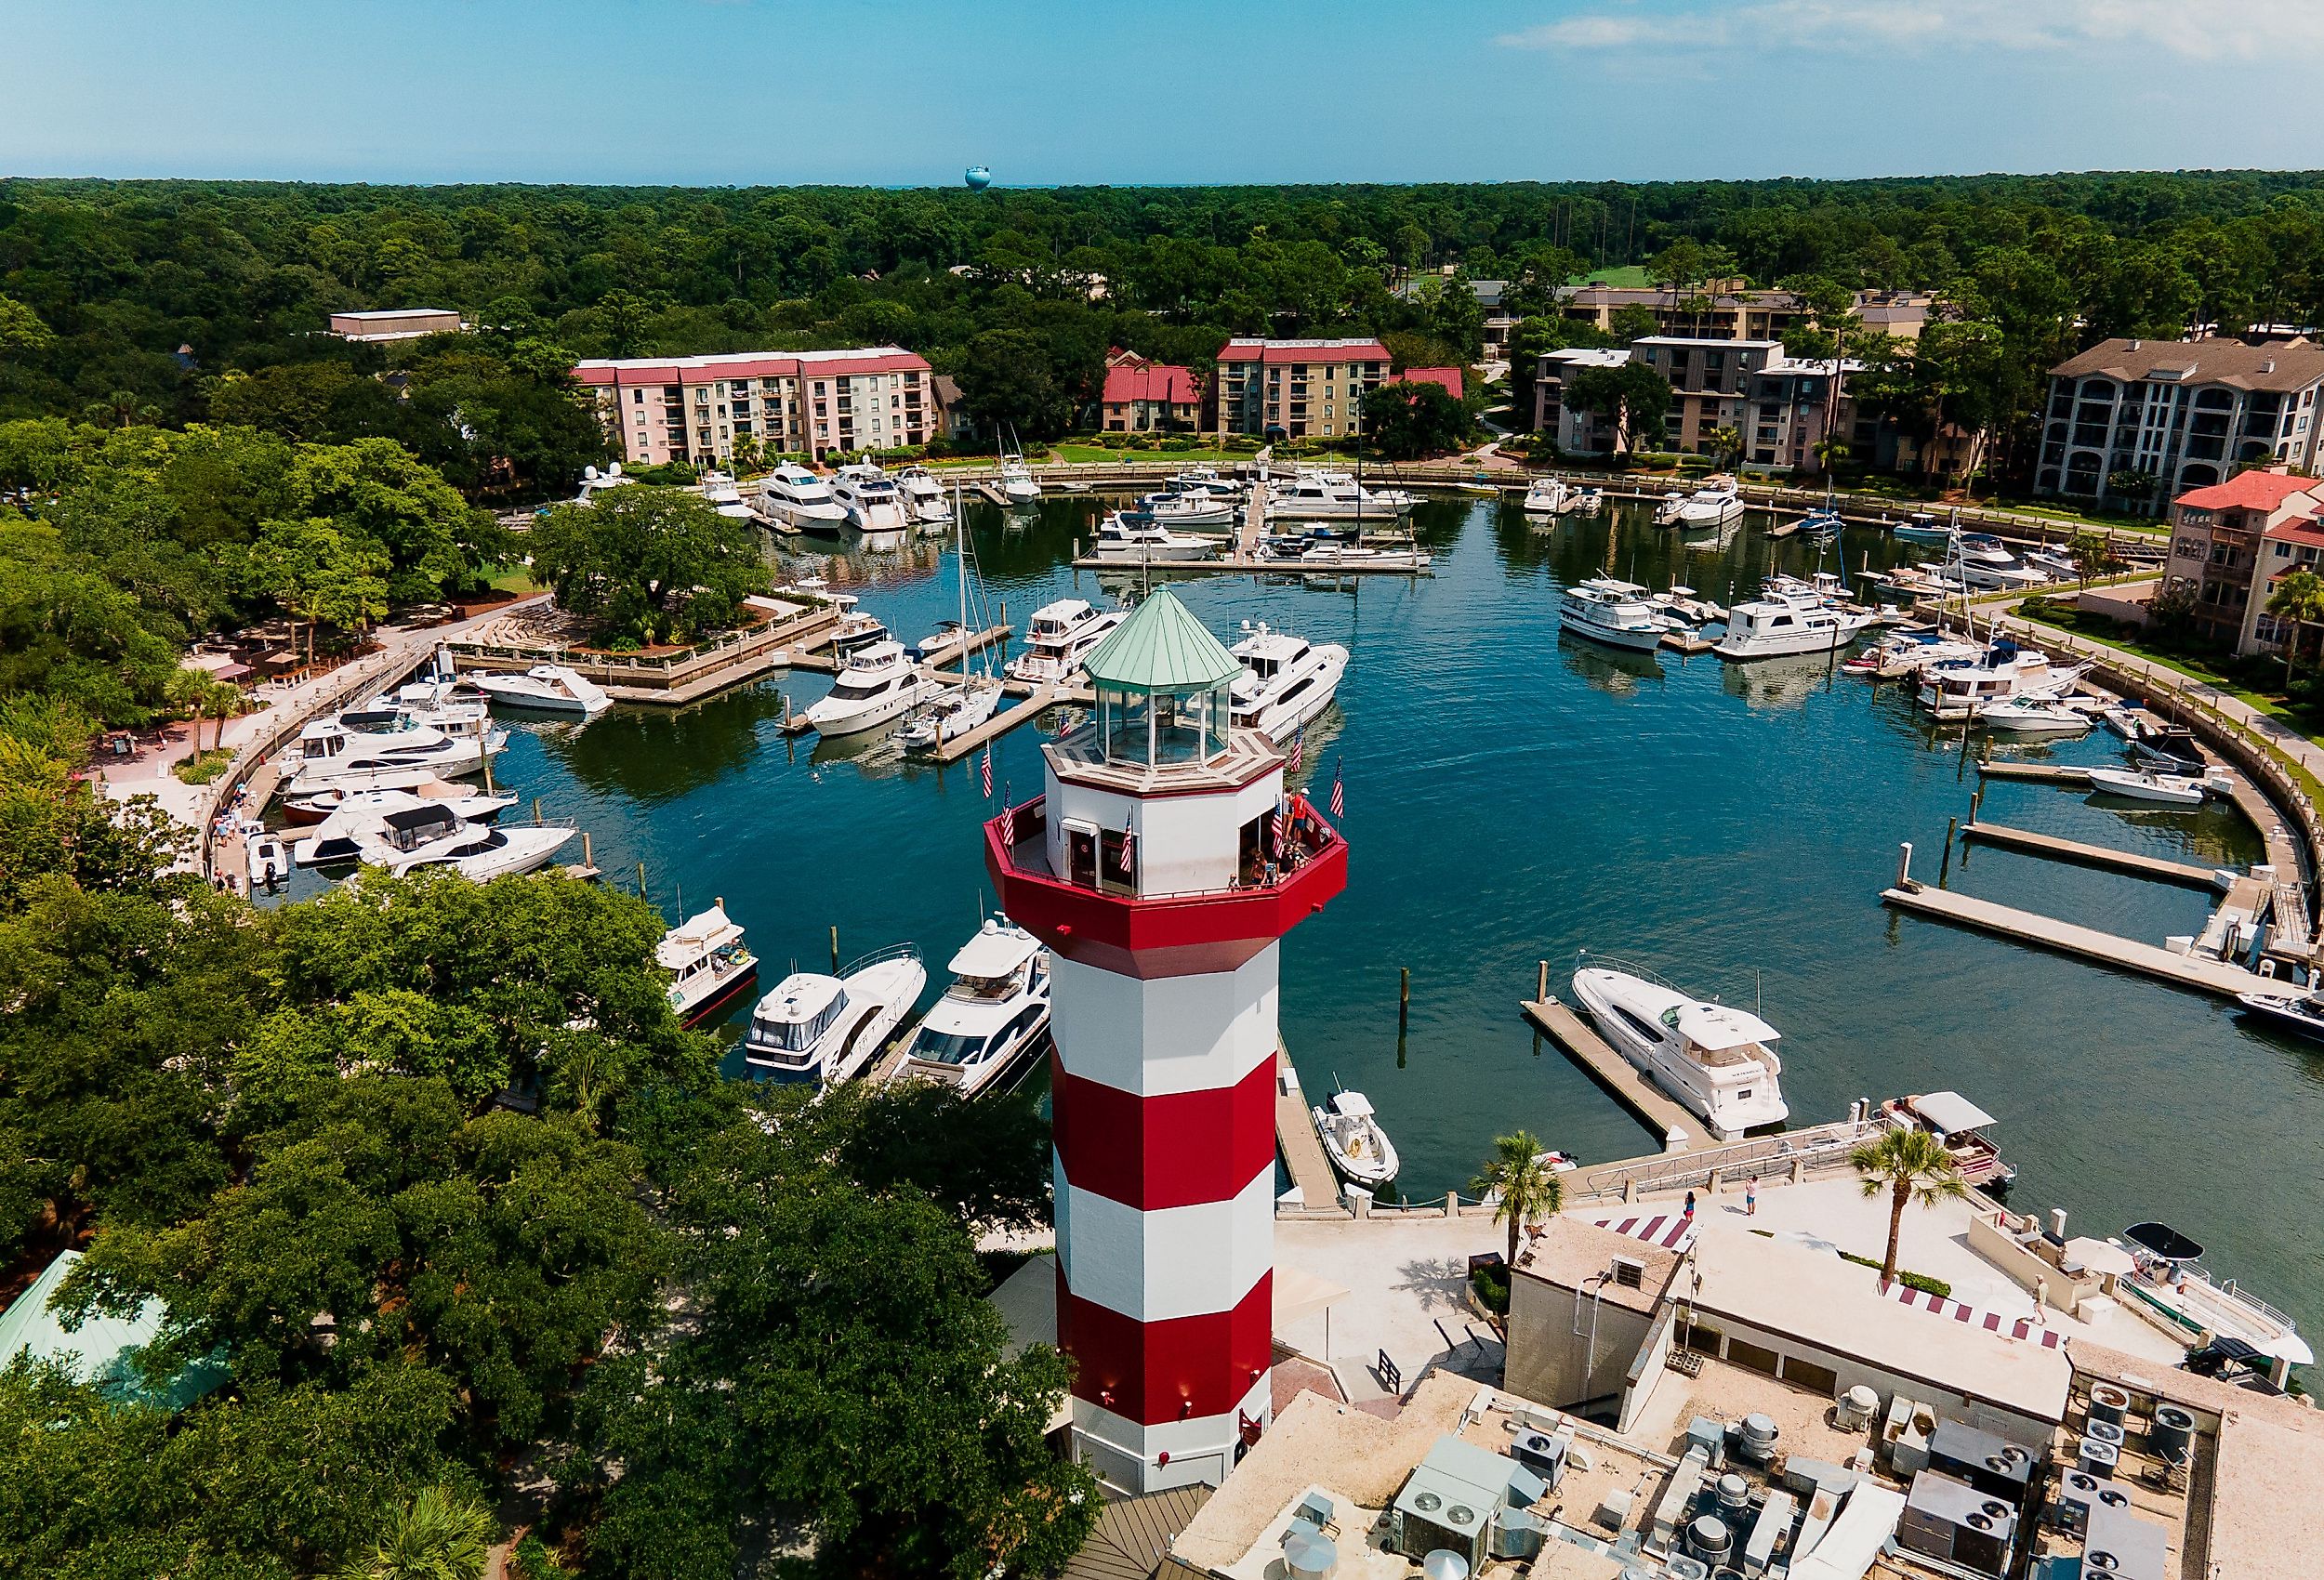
(1086, 453)
(513, 579)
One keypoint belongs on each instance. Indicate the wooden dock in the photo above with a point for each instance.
(2088, 944)
(1683, 642)
(1242, 564)
(1617, 1075)
(2035, 772)
(1001, 723)
(2104, 858)
(1301, 1148)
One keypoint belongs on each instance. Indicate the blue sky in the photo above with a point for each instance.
(906, 92)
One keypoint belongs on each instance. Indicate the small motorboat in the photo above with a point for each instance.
(1961, 1125)
(1923, 527)
(707, 964)
(1359, 1149)
(2298, 1012)
(269, 863)
(2135, 785)
(1547, 496)
(1583, 502)
(2025, 715)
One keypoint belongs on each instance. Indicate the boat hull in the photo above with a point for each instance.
(1601, 992)
(717, 995)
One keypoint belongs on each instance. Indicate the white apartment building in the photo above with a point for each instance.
(817, 403)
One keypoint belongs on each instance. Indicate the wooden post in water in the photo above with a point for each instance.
(1976, 799)
(835, 949)
(536, 811)
(1542, 984)
(589, 858)
(1952, 826)
(640, 880)
(1404, 997)
(1904, 864)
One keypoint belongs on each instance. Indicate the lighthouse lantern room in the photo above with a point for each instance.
(1162, 864)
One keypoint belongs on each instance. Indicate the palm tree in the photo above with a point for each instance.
(222, 699)
(1912, 1165)
(2091, 554)
(1527, 1187)
(2299, 597)
(1727, 445)
(438, 1536)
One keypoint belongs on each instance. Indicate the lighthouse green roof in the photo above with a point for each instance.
(1161, 648)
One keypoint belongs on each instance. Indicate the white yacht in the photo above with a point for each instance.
(1547, 496)
(1017, 482)
(1205, 480)
(2028, 716)
(1583, 502)
(1189, 509)
(2168, 1272)
(719, 492)
(1716, 1061)
(1353, 1139)
(1988, 576)
(1717, 503)
(707, 964)
(1952, 690)
(356, 815)
(1615, 613)
(876, 684)
(594, 482)
(1061, 635)
(960, 709)
(798, 499)
(432, 836)
(924, 498)
(822, 1030)
(1669, 508)
(1781, 622)
(545, 688)
(328, 752)
(2139, 784)
(264, 858)
(449, 705)
(1316, 495)
(1285, 682)
(1333, 553)
(874, 504)
(1141, 539)
(991, 1019)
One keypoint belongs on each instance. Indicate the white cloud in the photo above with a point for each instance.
(2206, 30)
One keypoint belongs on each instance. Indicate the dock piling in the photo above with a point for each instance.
(1904, 866)
(536, 811)
(1404, 997)
(640, 880)
(588, 857)
(1541, 983)
(835, 949)
(1952, 829)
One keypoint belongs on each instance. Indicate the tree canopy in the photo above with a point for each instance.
(647, 564)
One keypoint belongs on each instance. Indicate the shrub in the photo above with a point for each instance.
(202, 767)
(1491, 1284)
(532, 1561)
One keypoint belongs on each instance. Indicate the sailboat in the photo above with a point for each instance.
(969, 704)
(1016, 479)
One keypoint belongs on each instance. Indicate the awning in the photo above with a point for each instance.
(2099, 1256)
(1298, 1294)
(1952, 1112)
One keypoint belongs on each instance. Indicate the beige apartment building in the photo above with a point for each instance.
(395, 323)
(1728, 309)
(1295, 389)
(2229, 542)
(816, 404)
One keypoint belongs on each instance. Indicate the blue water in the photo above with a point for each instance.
(1513, 798)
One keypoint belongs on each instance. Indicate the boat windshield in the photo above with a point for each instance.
(933, 1047)
(858, 691)
(985, 987)
(798, 1036)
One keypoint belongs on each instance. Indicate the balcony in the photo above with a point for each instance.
(1165, 935)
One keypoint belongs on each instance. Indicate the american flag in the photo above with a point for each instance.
(1128, 838)
(1008, 822)
(1299, 748)
(1338, 792)
(988, 774)
(1282, 823)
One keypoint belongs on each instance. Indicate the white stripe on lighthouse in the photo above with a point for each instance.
(1177, 1262)
(1168, 1034)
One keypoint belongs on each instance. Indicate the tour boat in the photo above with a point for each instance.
(1316, 495)
(1716, 1061)
(2169, 1276)
(821, 1029)
(1960, 1127)
(2299, 1012)
(1061, 635)
(545, 688)
(876, 684)
(327, 752)
(719, 492)
(874, 504)
(1716, 504)
(344, 818)
(991, 1019)
(2031, 716)
(1358, 1146)
(801, 500)
(707, 964)
(1285, 682)
(1781, 623)
(1615, 613)
(1547, 496)
(2137, 784)
(1142, 539)
(923, 498)
(264, 858)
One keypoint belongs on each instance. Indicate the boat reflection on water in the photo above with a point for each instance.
(1615, 671)
(1782, 682)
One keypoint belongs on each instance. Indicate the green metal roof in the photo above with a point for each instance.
(1161, 648)
(101, 1352)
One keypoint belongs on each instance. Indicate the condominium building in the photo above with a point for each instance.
(2133, 422)
(1295, 389)
(1575, 430)
(816, 404)
(1777, 406)
(1148, 397)
(2231, 540)
(1729, 310)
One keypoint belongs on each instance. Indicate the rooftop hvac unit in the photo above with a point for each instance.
(1629, 1272)
(2170, 1434)
(1680, 1567)
(1516, 1534)
(1541, 1454)
(1758, 1443)
(1951, 1521)
(1997, 1467)
(1708, 1435)
(1855, 1409)
(1708, 1538)
(2108, 1402)
(2098, 1459)
(1310, 1555)
(1735, 1497)
(2105, 1432)
(2079, 1492)
(2120, 1546)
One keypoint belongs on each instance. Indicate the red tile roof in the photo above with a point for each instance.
(2245, 490)
(2302, 528)
(749, 364)
(1447, 378)
(1319, 351)
(1149, 381)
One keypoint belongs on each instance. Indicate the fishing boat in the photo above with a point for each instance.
(1922, 527)
(707, 964)
(1017, 482)
(1614, 613)
(2031, 716)
(1960, 1127)
(1285, 682)
(878, 683)
(854, 630)
(1141, 539)
(798, 499)
(821, 1029)
(992, 1019)
(923, 498)
(2169, 1275)
(2138, 784)
(1061, 635)
(545, 688)
(1717, 1061)
(1782, 622)
(1359, 1147)
(1547, 496)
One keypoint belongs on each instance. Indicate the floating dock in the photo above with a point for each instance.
(2038, 774)
(1301, 1148)
(2104, 858)
(1618, 1075)
(1682, 642)
(1239, 564)
(1004, 721)
(2070, 938)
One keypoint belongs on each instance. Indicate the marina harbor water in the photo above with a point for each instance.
(1514, 797)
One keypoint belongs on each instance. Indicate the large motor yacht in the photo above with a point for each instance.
(991, 1019)
(433, 835)
(1615, 613)
(924, 498)
(707, 964)
(1716, 1061)
(1716, 504)
(873, 503)
(594, 482)
(718, 492)
(1061, 635)
(822, 1030)
(1313, 495)
(1952, 690)
(798, 499)
(547, 688)
(876, 684)
(1786, 620)
(1285, 682)
(354, 816)
(1189, 508)
(328, 752)
(1143, 539)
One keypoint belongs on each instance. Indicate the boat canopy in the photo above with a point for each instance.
(1952, 1112)
(801, 997)
(2164, 1242)
(996, 951)
(1715, 1026)
(1353, 1105)
(697, 937)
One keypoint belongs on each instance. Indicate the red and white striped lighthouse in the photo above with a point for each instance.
(1162, 865)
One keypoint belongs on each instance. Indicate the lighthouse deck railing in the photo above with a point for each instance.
(1308, 839)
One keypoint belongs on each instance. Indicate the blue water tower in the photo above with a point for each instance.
(978, 176)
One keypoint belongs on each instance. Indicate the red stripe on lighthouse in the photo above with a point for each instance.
(1175, 1150)
(1152, 1373)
